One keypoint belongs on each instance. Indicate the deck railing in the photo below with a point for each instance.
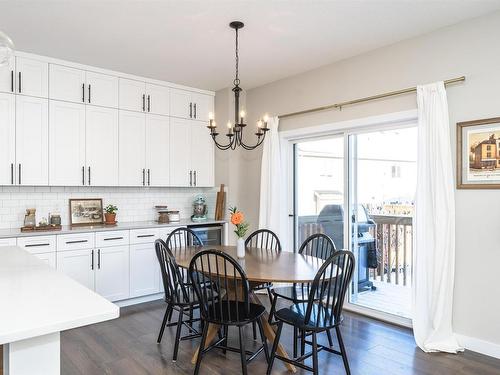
(394, 236)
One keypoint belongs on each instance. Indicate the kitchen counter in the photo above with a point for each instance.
(9, 233)
(39, 303)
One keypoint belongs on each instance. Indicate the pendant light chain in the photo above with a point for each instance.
(237, 79)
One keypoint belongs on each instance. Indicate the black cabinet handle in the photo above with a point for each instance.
(19, 82)
(149, 177)
(92, 260)
(99, 259)
(83, 175)
(194, 178)
(76, 241)
(143, 102)
(143, 177)
(190, 178)
(89, 93)
(190, 110)
(194, 110)
(113, 238)
(145, 235)
(37, 244)
(89, 176)
(83, 92)
(149, 103)
(19, 173)
(12, 173)
(12, 81)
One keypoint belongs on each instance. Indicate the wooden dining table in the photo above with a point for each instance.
(260, 266)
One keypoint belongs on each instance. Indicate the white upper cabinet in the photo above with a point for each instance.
(101, 146)
(7, 139)
(32, 130)
(131, 147)
(157, 99)
(132, 95)
(32, 77)
(180, 104)
(7, 76)
(190, 105)
(102, 89)
(66, 144)
(202, 155)
(67, 84)
(202, 105)
(180, 152)
(158, 150)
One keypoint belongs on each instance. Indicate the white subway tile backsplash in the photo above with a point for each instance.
(134, 204)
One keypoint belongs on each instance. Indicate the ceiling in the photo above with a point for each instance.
(189, 42)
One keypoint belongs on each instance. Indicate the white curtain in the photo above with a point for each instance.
(434, 225)
(272, 212)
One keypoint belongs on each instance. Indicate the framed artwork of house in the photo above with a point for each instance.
(478, 154)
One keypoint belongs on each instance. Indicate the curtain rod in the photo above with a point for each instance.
(366, 99)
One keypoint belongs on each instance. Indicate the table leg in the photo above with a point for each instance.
(270, 333)
(38, 355)
(212, 332)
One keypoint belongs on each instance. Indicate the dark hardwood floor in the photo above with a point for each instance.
(128, 346)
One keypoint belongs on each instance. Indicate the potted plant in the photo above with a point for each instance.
(238, 220)
(110, 214)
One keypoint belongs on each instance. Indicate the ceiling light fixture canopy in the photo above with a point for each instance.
(235, 131)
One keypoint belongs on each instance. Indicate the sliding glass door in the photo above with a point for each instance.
(373, 174)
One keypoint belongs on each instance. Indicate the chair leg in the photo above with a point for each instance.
(270, 295)
(190, 318)
(315, 353)
(224, 343)
(178, 334)
(263, 339)
(275, 347)
(343, 351)
(273, 309)
(329, 335)
(164, 323)
(254, 330)
(295, 341)
(170, 315)
(242, 351)
(202, 347)
(303, 342)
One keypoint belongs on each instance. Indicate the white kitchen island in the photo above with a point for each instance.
(36, 304)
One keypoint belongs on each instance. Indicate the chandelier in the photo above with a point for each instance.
(235, 131)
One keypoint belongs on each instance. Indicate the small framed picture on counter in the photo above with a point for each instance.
(85, 211)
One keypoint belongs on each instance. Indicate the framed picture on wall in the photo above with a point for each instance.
(478, 154)
(85, 211)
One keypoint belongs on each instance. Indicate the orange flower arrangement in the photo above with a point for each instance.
(238, 220)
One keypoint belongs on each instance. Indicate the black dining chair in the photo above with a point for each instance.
(318, 245)
(322, 312)
(179, 296)
(177, 241)
(264, 240)
(232, 306)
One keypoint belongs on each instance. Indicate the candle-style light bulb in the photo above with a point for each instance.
(259, 124)
(211, 116)
(265, 118)
(242, 116)
(229, 128)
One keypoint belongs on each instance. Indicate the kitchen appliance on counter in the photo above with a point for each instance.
(199, 209)
(210, 234)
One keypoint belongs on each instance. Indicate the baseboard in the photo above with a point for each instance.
(136, 300)
(479, 346)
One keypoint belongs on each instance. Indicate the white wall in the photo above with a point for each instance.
(471, 49)
(134, 204)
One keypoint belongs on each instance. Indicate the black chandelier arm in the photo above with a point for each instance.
(224, 147)
(260, 139)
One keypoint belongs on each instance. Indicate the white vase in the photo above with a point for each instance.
(240, 248)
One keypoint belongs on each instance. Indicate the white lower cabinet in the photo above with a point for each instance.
(112, 272)
(7, 242)
(49, 258)
(144, 270)
(79, 265)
